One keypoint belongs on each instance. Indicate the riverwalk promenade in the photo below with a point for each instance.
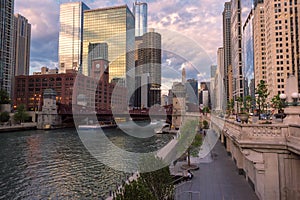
(217, 179)
(20, 127)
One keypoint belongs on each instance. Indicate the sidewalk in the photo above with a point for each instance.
(216, 179)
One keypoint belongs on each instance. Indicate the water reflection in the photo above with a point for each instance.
(55, 164)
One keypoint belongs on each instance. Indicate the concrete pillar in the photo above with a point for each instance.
(271, 185)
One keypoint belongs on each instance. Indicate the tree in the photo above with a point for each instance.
(277, 103)
(205, 124)
(4, 117)
(135, 191)
(230, 106)
(187, 131)
(155, 185)
(248, 103)
(239, 103)
(4, 97)
(262, 95)
(206, 110)
(21, 115)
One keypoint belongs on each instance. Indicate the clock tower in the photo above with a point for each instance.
(100, 69)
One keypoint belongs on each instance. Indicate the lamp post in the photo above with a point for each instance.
(291, 101)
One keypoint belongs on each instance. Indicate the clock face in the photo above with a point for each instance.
(97, 66)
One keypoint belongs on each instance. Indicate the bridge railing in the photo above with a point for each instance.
(286, 136)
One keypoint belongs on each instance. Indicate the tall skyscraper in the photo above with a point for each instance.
(227, 49)
(192, 91)
(282, 47)
(6, 44)
(220, 80)
(140, 11)
(149, 63)
(70, 35)
(22, 39)
(236, 49)
(248, 50)
(114, 26)
(259, 42)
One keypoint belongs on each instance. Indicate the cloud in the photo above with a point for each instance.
(198, 21)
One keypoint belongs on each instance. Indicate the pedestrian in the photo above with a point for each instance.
(190, 175)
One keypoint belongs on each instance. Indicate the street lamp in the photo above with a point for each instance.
(291, 101)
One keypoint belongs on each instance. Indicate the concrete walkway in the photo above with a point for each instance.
(215, 180)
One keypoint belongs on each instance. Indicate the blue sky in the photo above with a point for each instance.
(199, 21)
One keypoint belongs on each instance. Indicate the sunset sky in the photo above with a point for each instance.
(199, 21)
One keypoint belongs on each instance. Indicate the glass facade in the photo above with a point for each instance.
(6, 44)
(140, 11)
(70, 35)
(248, 53)
(115, 27)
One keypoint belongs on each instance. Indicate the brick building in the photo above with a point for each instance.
(97, 91)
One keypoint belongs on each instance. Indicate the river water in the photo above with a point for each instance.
(55, 164)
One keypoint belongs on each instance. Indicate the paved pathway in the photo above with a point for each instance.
(215, 180)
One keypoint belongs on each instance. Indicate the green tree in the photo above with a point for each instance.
(262, 95)
(205, 124)
(277, 103)
(248, 103)
(155, 185)
(21, 115)
(4, 117)
(4, 97)
(135, 191)
(187, 131)
(239, 103)
(230, 106)
(206, 110)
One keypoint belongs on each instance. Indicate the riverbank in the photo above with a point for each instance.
(19, 127)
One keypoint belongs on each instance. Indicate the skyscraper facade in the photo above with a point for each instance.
(236, 49)
(22, 39)
(115, 27)
(259, 42)
(220, 80)
(6, 44)
(140, 11)
(282, 46)
(149, 63)
(227, 49)
(248, 54)
(70, 35)
(192, 91)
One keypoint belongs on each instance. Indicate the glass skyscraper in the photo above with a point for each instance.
(6, 44)
(70, 35)
(115, 27)
(140, 11)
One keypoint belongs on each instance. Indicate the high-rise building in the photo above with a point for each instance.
(282, 43)
(192, 91)
(6, 44)
(149, 63)
(22, 38)
(140, 11)
(227, 48)
(114, 26)
(220, 80)
(248, 52)
(259, 42)
(236, 49)
(220, 61)
(70, 35)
